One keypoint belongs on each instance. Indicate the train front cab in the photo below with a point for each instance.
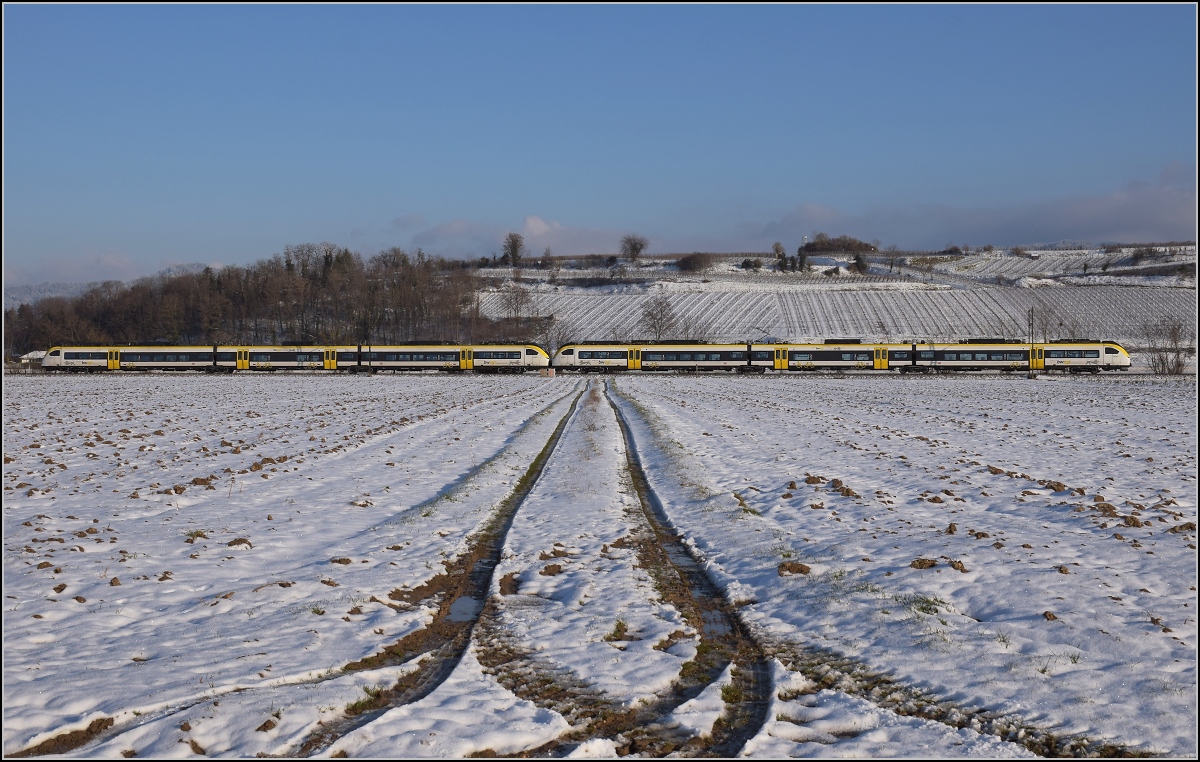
(598, 358)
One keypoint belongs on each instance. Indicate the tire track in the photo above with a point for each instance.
(648, 727)
(830, 670)
(727, 638)
(463, 589)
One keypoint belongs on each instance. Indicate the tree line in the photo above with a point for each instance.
(309, 294)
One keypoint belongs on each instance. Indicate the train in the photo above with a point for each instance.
(594, 357)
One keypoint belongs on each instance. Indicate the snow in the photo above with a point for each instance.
(892, 312)
(329, 493)
(467, 714)
(1103, 667)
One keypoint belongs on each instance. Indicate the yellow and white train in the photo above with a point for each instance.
(848, 354)
(833, 354)
(502, 358)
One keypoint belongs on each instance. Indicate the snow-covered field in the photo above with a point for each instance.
(198, 565)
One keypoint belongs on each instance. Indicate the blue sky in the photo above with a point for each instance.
(138, 137)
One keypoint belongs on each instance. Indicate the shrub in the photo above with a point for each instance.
(695, 263)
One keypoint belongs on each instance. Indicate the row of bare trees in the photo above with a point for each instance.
(309, 294)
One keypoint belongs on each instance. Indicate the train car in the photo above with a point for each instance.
(369, 358)
(841, 354)
(81, 359)
(609, 358)
(483, 358)
(510, 358)
(272, 359)
(1008, 356)
(206, 359)
(595, 358)
(1081, 356)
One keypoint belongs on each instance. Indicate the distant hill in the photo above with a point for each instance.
(14, 296)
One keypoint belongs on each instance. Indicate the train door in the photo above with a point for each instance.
(330, 359)
(781, 358)
(243, 359)
(1037, 358)
(114, 359)
(635, 359)
(466, 361)
(881, 358)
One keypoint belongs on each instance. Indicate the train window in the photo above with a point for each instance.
(802, 356)
(260, 358)
(54, 353)
(226, 356)
(996, 356)
(71, 356)
(735, 355)
(899, 355)
(344, 356)
(653, 357)
(1018, 356)
(567, 352)
(531, 351)
(1055, 353)
(950, 356)
(1091, 353)
(502, 355)
(1111, 351)
(924, 355)
(1074, 353)
(685, 356)
(760, 355)
(585, 355)
(847, 356)
(862, 357)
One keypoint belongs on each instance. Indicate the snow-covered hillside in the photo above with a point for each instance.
(893, 312)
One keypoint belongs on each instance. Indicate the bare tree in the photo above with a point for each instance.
(632, 246)
(1040, 319)
(693, 327)
(515, 300)
(553, 335)
(658, 317)
(514, 249)
(1168, 342)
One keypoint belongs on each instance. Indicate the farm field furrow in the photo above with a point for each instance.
(1023, 548)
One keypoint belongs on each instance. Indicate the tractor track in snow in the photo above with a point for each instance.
(828, 669)
(463, 589)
